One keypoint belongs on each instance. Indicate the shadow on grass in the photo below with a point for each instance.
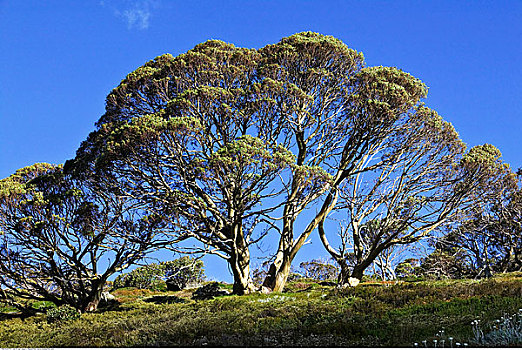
(4, 316)
(22, 315)
(165, 299)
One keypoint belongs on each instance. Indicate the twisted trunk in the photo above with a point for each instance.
(240, 266)
(92, 301)
(278, 273)
(239, 263)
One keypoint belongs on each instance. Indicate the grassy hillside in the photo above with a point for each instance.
(307, 314)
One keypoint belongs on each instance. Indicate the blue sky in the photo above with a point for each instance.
(60, 59)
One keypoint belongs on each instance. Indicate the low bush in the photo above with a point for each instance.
(319, 270)
(62, 314)
(182, 271)
(43, 305)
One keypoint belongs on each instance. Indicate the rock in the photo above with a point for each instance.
(208, 291)
(352, 282)
(108, 300)
(106, 296)
(192, 285)
(265, 290)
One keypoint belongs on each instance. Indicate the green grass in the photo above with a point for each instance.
(307, 314)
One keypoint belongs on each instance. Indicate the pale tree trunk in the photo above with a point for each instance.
(240, 265)
(288, 247)
(239, 262)
(277, 274)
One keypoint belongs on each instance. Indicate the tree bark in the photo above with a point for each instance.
(352, 277)
(240, 265)
(277, 274)
(239, 262)
(349, 277)
(94, 296)
(288, 247)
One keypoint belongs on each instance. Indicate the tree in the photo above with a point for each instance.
(407, 268)
(386, 262)
(489, 235)
(408, 194)
(428, 185)
(319, 270)
(180, 272)
(334, 111)
(187, 136)
(443, 263)
(223, 142)
(61, 239)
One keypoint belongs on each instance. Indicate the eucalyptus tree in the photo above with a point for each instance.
(403, 199)
(187, 135)
(226, 143)
(489, 235)
(334, 112)
(423, 189)
(61, 239)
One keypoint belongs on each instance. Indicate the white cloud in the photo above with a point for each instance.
(136, 13)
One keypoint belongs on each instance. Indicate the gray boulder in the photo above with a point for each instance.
(108, 300)
(106, 296)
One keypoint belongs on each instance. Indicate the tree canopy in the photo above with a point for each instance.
(224, 145)
(61, 239)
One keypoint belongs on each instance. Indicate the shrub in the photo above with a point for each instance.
(62, 313)
(441, 264)
(43, 305)
(407, 268)
(182, 271)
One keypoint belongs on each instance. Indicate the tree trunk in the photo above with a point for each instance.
(94, 296)
(277, 274)
(352, 277)
(349, 277)
(288, 247)
(240, 265)
(279, 269)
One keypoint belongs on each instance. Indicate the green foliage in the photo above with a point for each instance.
(319, 270)
(43, 305)
(62, 314)
(183, 271)
(55, 230)
(443, 264)
(407, 268)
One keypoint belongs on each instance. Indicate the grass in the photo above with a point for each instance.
(305, 315)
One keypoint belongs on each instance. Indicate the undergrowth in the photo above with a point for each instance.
(307, 315)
